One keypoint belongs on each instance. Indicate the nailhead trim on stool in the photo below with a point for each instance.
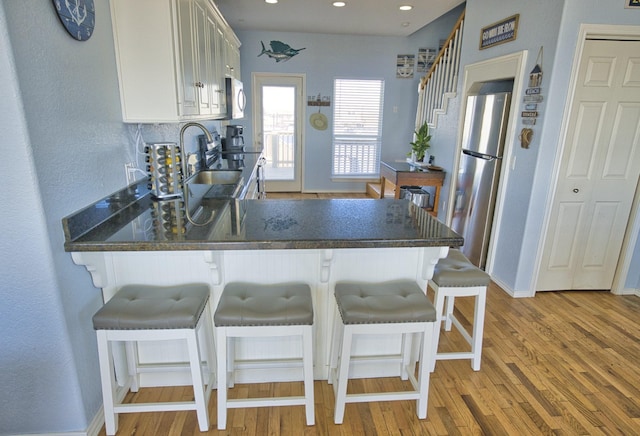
(382, 308)
(257, 310)
(154, 313)
(454, 276)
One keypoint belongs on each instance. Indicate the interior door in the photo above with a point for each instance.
(599, 171)
(278, 110)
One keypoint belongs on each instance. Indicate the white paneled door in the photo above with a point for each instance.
(598, 173)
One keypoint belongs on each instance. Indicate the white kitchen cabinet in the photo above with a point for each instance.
(187, 33)
(171, 65)
(216, 62)
(232, 56)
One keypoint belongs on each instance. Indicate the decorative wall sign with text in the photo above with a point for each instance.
(498, 33)
(318, 100)
(532, 102)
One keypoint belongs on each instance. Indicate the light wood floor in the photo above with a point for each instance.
(561, 363)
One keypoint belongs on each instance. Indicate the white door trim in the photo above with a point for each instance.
(300, 123)
(633, 227)
(502, 67)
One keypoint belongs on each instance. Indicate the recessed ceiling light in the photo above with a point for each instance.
(271, 1)
(339, 4)
(406, 7)
(406, 24)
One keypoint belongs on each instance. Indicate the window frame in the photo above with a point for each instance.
(355, 148)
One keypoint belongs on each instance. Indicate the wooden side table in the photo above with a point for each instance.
(405, 174)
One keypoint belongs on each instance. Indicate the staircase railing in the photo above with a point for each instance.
(440, 82)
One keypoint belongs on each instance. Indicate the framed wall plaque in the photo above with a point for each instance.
(498, 33)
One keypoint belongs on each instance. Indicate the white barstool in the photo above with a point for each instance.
(382, 308)
(256, 310)
(454, 276)
(153, 313)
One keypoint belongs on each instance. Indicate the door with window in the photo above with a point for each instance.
(278, 108)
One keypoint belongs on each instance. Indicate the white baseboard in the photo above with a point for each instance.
(96, 423)
(511, 292)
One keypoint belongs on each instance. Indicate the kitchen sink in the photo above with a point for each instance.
(216, 177)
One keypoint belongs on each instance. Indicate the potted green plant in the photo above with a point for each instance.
(421, 143)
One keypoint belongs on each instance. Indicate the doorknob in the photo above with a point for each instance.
(576, 190)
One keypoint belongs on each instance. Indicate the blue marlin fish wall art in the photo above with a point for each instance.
(280, 51)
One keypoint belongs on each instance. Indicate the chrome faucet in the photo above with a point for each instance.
(183, 154)
(185, 174)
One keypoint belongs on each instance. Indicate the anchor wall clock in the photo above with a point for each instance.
(77, 16)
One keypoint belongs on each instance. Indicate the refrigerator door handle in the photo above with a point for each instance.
(487, 157)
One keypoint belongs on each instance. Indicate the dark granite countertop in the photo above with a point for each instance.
(131, 220)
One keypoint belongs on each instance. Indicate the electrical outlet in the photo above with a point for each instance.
(130, 172)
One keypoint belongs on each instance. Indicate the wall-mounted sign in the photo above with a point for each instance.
(426, 57)
(532, 98)
(319, 100)
(498, 33)
(535, 77)
(532, 102)
(632, 4)
(404, 66)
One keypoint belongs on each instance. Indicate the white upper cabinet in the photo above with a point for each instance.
(172, 59)
(232, 56)
(188, 71)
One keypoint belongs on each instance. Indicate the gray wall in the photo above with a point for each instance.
(575, 12)
(64, 145)
(553, 25)
(538, 27)
(329, 56)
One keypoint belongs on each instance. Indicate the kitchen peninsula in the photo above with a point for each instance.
(129, 238)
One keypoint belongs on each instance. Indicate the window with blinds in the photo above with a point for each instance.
(357, 127)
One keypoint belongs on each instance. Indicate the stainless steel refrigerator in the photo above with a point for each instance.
(484, 131)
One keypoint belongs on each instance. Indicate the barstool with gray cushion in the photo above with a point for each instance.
(257, 310)
(454, 276)
(382, 308)
(153, 313)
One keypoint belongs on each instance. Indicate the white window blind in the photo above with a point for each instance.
(357, 127)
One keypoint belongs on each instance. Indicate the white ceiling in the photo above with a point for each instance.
(358, 17)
